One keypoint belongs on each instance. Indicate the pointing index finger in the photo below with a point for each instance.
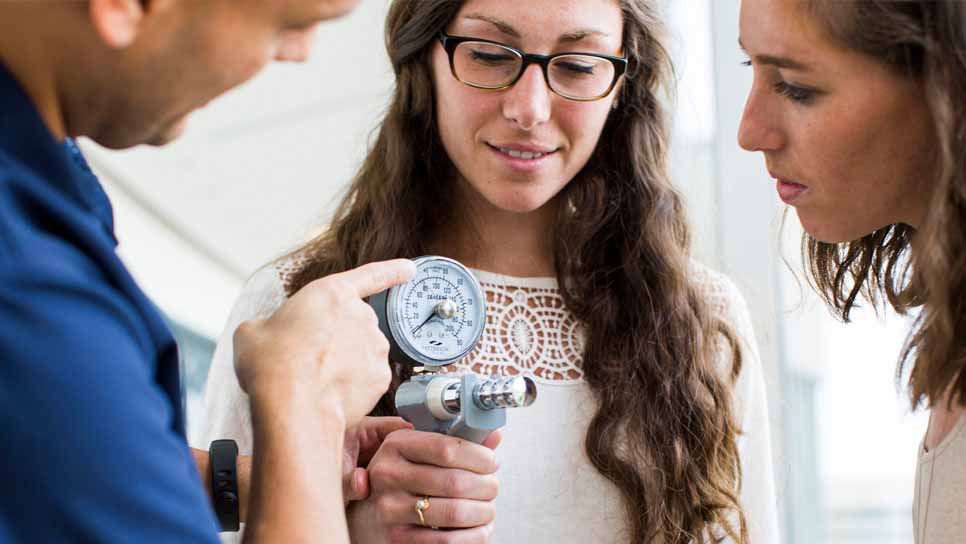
(372, 278)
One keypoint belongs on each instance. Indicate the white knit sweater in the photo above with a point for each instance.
(549, 491)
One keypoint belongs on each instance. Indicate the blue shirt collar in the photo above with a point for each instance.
(25, 138)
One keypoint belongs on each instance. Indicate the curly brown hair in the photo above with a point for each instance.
(907, 267)
(665, 432)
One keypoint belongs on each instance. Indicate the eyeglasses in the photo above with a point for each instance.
(486, 64)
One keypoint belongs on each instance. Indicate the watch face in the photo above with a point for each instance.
(438, 317)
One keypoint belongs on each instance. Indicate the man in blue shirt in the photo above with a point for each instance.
(90, 411)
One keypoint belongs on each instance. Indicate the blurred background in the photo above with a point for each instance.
(260, 169)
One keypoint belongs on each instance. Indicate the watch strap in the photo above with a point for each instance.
(223, 460)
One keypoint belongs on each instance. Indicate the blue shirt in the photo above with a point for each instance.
(92, 442)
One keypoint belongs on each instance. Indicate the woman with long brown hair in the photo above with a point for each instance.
(528, 141)
(858, 108)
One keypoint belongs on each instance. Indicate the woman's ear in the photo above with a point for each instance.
(117, 22)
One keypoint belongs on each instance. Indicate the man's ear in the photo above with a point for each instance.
(117, 22)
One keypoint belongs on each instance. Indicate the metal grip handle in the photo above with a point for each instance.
(499, 392)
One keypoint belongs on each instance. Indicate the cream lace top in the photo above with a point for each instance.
(549, 491)
(938, 515)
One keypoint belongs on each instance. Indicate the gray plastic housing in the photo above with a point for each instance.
(472, 423)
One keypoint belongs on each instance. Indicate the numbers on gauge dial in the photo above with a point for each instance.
(441, 311)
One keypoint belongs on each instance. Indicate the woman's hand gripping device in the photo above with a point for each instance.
(431, 322)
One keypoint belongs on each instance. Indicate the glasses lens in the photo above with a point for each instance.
(485, 64)
(581, 76)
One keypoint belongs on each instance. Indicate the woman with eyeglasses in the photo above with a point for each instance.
(858, 109)
(528, 141)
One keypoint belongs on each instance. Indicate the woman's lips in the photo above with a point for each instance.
(789, 191)
(521, 160)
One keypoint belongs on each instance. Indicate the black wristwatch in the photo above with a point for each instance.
(223, 457)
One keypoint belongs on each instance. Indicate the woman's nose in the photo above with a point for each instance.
(527, 103)
(760, 128)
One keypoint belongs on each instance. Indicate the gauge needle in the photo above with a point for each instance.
(428, 319)
(444, 310)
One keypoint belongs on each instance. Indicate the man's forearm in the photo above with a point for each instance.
(243, 472)
(296, 476)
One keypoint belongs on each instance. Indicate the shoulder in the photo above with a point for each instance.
(61, 279)
(10, 167)
(40, 226)
(727, 304)
(263, 293)
(51, 258)
(67, 287)
(719, 292)
(717, 287)
(18, 207)
(22, 189)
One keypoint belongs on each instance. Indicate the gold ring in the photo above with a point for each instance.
(421, 506)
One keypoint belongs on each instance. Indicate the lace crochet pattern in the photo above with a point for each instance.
(529, 331)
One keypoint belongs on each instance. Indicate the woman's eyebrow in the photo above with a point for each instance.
(778, 62)
(578, 35)
(506, 28)
(502, 26)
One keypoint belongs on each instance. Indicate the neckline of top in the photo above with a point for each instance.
(506, 280)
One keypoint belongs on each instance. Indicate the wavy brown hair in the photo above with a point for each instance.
(908, 267)
(665, 432)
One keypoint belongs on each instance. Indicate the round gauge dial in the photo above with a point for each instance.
(438, 317)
